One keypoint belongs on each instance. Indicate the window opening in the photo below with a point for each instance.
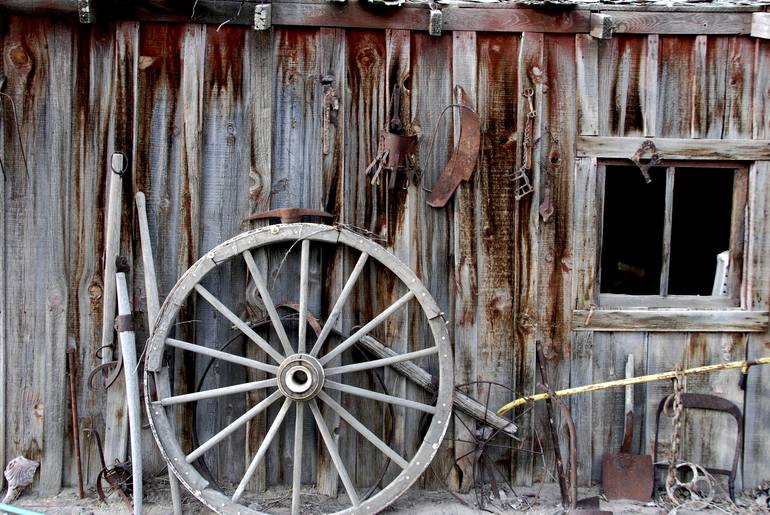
(668, 237)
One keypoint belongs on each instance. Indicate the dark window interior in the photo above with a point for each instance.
(633, 229)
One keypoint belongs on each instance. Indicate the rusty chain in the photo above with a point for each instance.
(522, 184)
(676, 423)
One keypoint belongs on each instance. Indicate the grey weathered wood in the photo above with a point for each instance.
(616, 300)
(739, 88)
(466, 229)
(677, 320)
(760, 25)
(331, 447)
(676, 148)
(681, 23)
(587, 77)
(601, 26)
(668, 212)
(650, 90)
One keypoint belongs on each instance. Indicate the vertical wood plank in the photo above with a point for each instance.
(431, 92)
(3, 279)
(710, 67)
(761, 105)
(466, 229)
(739, 88)
(38, 71)
(650, 89)
(92, 94)
(526, 250)
(258, 92)
(757, 421)
(675, 103)
(587, 63)
(332, 62)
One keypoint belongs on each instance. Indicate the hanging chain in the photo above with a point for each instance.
(676, 423)
(521, 184)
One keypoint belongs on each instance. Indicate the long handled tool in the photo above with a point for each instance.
(626, 475)
(153, 307)
(743, 365)
(125, 326)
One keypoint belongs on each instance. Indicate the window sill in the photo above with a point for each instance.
(671, 320)
(618, 301)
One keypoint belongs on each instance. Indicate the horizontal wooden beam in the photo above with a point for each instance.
(624, 22)
(468, 17)
(670, 148)
(670, 320)
(760, 25)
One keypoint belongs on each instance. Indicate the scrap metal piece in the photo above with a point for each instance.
(331, 106)
(396, 149)
(655, 158)
(520, 178)
(463, 161)
(289, 215)
(20, 473)
(117, 476)
(435, 22)
(263, 16)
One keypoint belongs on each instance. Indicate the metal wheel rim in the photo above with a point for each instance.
(156, 375)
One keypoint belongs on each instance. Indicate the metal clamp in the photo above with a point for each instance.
(263, 16)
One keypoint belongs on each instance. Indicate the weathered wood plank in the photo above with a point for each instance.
(739, 88)
(92, 94)
(258, 93)
(680, 23)
(623, 85)
(431, 93)
(675, 74)
(364, 206)
(761, 104)
(554, 199)
(466, 230)
(587, 76)
(676, 320)
(35, 245)
(709, 86)
(3, 307)
(674, 148)
(650, 88)
(525, 244)
(757, 294)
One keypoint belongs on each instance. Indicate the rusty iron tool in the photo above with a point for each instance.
(289, 215)
(655, 159)
(710, 402)
(73, 377)
(118, 476)
(110, 371)
(590, 505)
(463, 161)
(626, 475)
(552, 428)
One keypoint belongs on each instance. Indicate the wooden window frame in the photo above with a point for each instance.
(737, 244)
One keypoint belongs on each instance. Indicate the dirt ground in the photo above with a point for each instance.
(418, 502)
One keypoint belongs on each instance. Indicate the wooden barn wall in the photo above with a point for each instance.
(219, 124)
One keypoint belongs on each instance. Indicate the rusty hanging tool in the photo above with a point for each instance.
(626, 475)
(289, 215)
(520, 178)
(72, 362)
(655, 159)
(110, 371)
(396, 150)
(118, 476)
(463, 161)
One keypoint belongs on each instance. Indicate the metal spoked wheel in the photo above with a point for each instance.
(303, 369)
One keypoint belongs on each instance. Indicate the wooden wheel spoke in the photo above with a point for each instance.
(303, 285)
(262, 449)
(334, 453)
(366, 394)
(363, 430)
(218, 392)
(237, 322)
(224, 356)
(267, 300)
(367, 365)
(338, 305)
(296, 473)
(366, 329)
(240, 421)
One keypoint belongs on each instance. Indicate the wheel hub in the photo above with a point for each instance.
(300, 377)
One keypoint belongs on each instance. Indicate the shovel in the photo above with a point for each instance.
(625, 475)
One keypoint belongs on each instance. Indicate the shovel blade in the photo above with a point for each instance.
(627, 476)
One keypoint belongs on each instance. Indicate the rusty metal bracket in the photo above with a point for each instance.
(124, 323)
(463, 161)
(263, 16)
(288, 215)
(655, 159)
(330, 109)
(85, 11)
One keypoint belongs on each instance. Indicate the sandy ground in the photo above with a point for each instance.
(415, 501)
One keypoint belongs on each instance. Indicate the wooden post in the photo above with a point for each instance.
(128, 348)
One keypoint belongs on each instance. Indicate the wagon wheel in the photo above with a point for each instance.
(298, 378)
